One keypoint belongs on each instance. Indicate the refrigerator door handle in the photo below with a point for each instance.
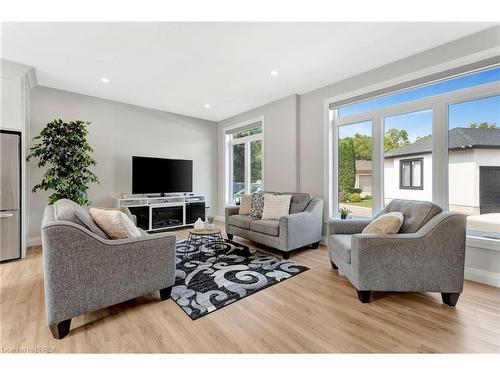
(3, 215)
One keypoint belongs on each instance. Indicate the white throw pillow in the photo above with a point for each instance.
(389, 223)
(276, 206)
(245, 204)
(114, 223)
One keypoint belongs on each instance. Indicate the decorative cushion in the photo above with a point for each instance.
(115, 223)
(257, 204)
(299, 202)
(245, 204)
(416, 213)
(389, 223)
(276, 206)
(67, 210)
(270, 227)
(240, 221)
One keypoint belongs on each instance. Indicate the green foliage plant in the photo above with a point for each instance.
(63, 148)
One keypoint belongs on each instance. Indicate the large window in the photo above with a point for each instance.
(474, 164)
(355, 168)
(438, 142)
(407, 156)
(244, 160)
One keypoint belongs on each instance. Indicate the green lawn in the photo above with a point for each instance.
(363, 203)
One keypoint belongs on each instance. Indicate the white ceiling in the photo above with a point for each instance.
(180, 67)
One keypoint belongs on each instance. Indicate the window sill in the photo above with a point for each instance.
(483, 243)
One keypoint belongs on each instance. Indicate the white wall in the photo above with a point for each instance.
(280, 146)
(117, 132)
(463, 185)
(391, 180)
(463, 178)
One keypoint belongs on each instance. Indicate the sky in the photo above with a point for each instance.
(420, 123)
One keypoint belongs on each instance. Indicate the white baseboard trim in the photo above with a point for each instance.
(34, 241)
(323, 240)
(222, 219)
(482, 276)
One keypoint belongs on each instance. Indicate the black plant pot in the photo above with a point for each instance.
(343, 217)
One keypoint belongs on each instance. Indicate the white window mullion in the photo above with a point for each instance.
(439, 155)
(334, 139)
(377, 165)
(248, 169)
(230, 179)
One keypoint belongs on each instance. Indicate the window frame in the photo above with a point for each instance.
(228, 156)
(439, 104)
(411, 161)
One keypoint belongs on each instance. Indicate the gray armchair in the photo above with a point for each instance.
(85, 271)
(302, 227)
(426, 256)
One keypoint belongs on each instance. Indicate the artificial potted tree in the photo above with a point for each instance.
(64, 149)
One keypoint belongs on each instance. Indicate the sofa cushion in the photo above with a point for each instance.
(276, 206)
(299, 202)
(115, 223)
(388, 223)
(67, 210)
(341, 245)
(241, 221)
(245, 204)
(257, 204)
(269, 227)
(416, 213)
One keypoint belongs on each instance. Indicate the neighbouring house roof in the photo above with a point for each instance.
(363, 166)
(458, 139)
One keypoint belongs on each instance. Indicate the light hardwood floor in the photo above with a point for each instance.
(314, 312)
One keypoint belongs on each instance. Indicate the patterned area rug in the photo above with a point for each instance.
(214, 278)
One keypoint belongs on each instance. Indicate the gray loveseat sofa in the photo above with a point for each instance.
(85, 271)
(427, 255)
(302, 227)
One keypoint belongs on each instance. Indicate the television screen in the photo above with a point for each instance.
(156, 175)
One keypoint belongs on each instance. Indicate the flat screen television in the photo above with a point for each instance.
(157, 175)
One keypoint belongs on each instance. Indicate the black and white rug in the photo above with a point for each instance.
(210, 280)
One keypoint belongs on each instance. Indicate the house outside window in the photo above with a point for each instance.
(244, 159)
(437, 142)
(411, 173)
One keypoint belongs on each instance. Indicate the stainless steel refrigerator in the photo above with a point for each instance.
(10, 195)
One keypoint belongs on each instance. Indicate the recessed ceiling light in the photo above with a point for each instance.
(274, 73)
(104, 80)
(207, 106)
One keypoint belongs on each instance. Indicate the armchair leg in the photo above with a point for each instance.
(60, 330)
(364, 295)
(229, 236)
(315, 245)
(286, 254)
(450, 299)
(334, 266)
(165, 293)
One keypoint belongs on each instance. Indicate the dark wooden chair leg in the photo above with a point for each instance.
(450, 299)
(315, 245)
(230, 237)
(165, 293)
(334, 266)
(364, 295)
(286, 254)
(60, 330)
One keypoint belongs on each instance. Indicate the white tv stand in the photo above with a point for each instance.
(160, 213)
